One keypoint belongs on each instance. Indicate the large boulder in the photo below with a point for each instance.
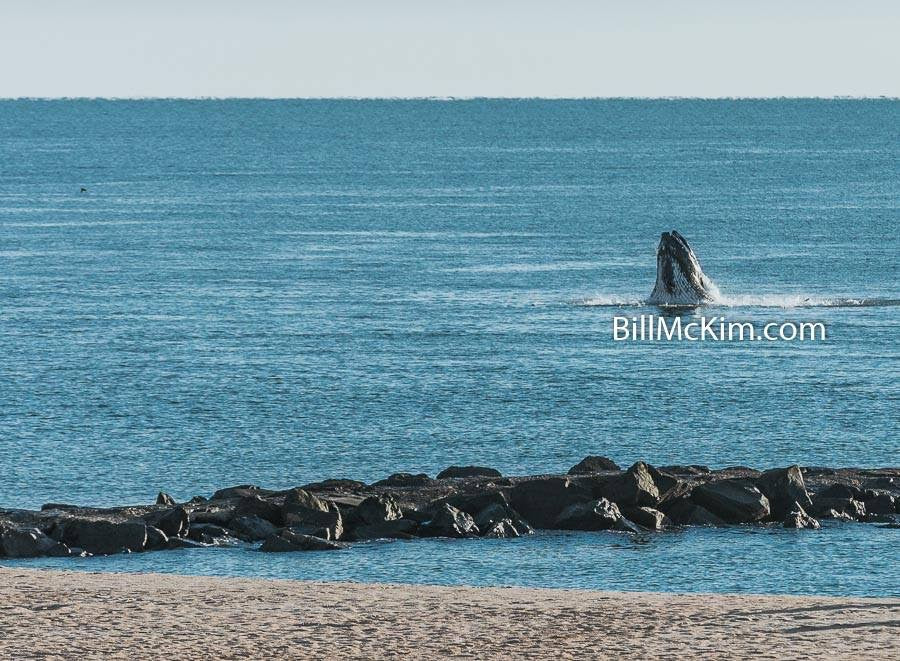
(881, 503)
(241, 491)
(734, 501)
(593, 464)
(798, 518)
(497, 513)
(377, 509)
(256, 506)
(633, 487)
(317, 517)
(164, 499)
(647, 517)
(388, 529)
(104, 537)
(28, 543)
(838, 490)
(541, 500)
(847, 509)
(173, 522)
(598, 514)
(500, 529)
(448, 521)
(468, 471)
(784, 487)
(405, 480)
(289, 540)
(685, 512)
(156, 539)
(252, 528)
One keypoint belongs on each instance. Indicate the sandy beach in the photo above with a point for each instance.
(55, 614)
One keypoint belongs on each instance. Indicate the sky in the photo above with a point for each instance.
(464, 48)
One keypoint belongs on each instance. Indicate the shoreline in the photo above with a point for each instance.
(77, 613)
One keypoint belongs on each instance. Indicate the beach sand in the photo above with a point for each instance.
(56, 614)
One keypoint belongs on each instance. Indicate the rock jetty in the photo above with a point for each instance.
(462, 502)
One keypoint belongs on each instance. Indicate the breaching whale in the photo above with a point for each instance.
(679, 278)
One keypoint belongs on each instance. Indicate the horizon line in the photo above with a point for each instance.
(448, 98)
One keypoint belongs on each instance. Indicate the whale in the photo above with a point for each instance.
(679, 278)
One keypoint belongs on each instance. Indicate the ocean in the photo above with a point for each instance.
(278, 292)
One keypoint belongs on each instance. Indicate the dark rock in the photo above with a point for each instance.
(25, 543)
(693, 469)
(206, 532)
(156, 539)
(685, 512)
(256, 506)
(734, 501)
(633, 487)
(60, 550)
(377, 509)
(184, 543)
(335, 485)
(447, 521)
(838, 490)
(540, 501)
(288, 541)
(890, 526)
(390, 529)
(647, 517)
(104, 537)
(216, 515)
(847, 509)
(798, 518)
(317, 517)
(198, 499)
(667, 484)
(405, 480)
(473, 503)
(58, 506)
(495, 513)
(883, 503)
(468, 471)
(252, 528)
(500, 529)
(880, 518)
(173, 522)
(164, 499)
(598, 514)
(784, 487)
(593, 464)
(240, 491)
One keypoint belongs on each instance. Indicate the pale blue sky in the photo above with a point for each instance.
(567, 48)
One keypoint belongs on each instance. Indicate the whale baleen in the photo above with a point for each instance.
(679, 278)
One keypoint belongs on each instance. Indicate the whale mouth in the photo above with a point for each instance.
(679, 278)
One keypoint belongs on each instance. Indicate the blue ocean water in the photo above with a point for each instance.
(278, 292)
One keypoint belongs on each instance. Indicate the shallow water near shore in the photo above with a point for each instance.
(840, 559)
(278, 292)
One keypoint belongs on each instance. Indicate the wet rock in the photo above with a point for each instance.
(304, 510)
(448, 521)
(390, 529)
(882, 503)
(593, 464)
(156, 539)
(377, 509)
(252, 528)
(340, 484)
(217, 515)
(405, 480)
(501, 529)
(104, 537)
(784, 487)
(164, 499)
(633, 487)
(845, 509)
(207, 533)
(198, 499)
(540, 501)
(473, 503)
(241, 491)
(734, 501)
(26, 543)
(598, 514)
(173, 522)
(256, 506)
(798, 518)
(495, 513)
(842, 491)
(647, 517)
(468, 471)
(685, 512)
(689, 470)
(288, 541)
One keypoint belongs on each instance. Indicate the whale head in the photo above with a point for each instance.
(679, 278)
